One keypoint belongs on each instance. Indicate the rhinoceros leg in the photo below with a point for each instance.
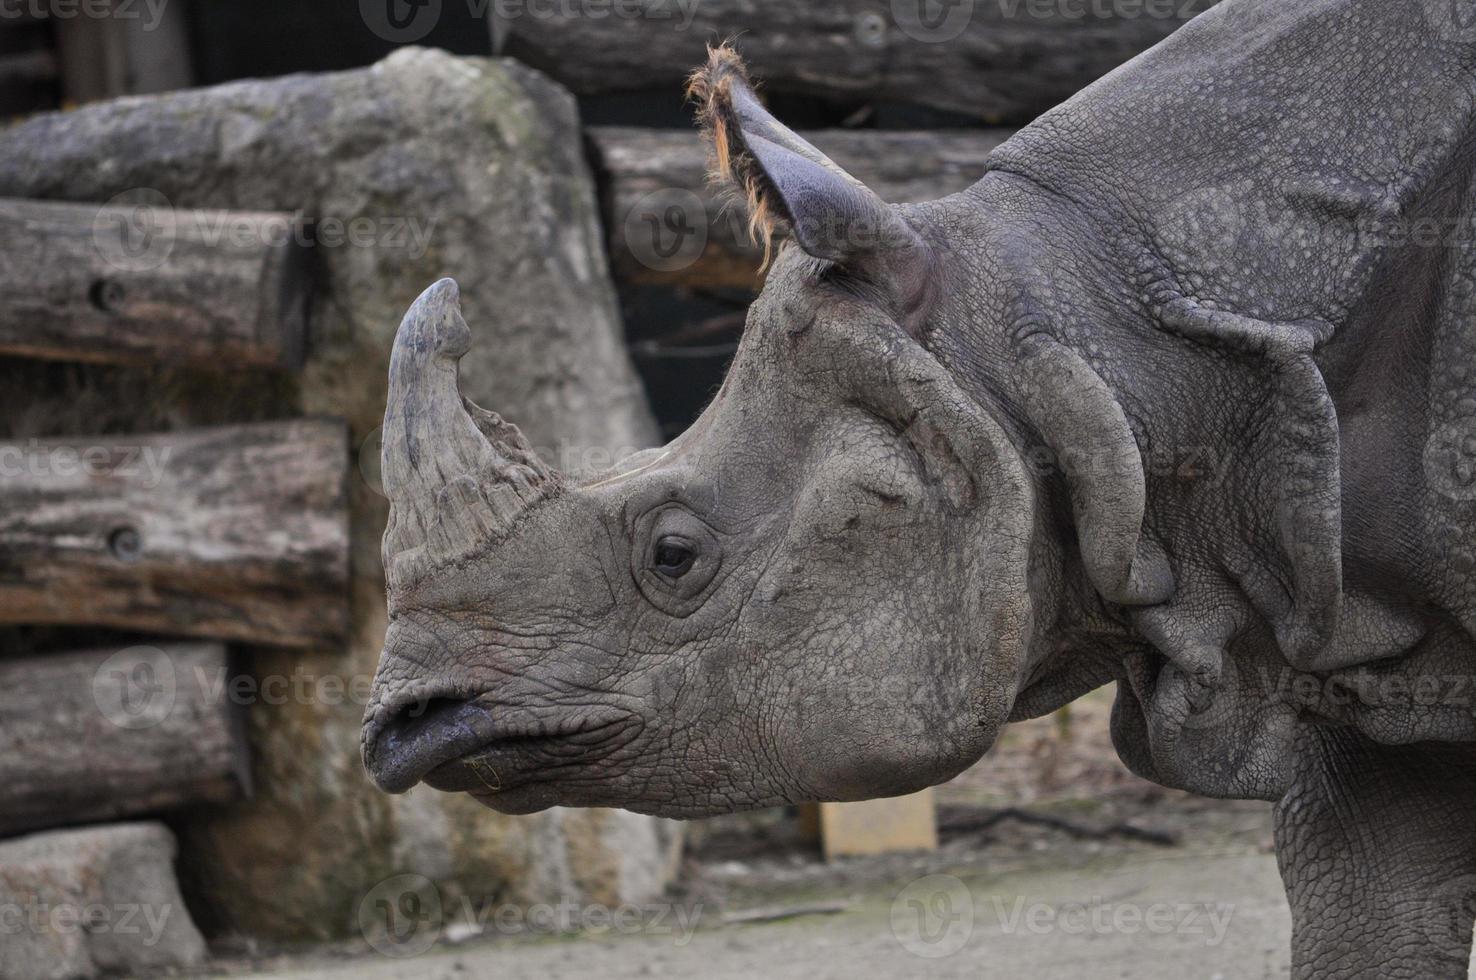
(1377, 848)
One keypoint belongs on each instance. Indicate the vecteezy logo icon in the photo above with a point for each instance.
(401, 916)
(370, 461)
(1445, 908)
(1450, 459)
(933, 916)
(932, 21)
(666, 230)
(135, 231)
(135, 688)
(401, 21)
(1451, 20)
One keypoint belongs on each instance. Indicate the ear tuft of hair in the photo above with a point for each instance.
(729, 162)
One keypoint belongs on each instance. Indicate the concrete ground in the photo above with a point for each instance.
(1174, 917)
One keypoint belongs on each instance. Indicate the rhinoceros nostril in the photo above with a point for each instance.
(418, 736)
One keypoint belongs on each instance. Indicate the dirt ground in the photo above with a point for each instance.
(1054, 862)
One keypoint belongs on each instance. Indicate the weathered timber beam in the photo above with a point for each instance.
(27, 67)
(29, 72)
(102, 734)
(147, 282)
(1001, 61)
(123, 48)
(666, 224)
(238, 532)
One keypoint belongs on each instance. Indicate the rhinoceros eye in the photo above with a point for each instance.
(673, 556)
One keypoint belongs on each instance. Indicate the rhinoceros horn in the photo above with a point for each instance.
(457, 476)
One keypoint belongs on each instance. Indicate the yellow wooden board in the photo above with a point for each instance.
(900, 823)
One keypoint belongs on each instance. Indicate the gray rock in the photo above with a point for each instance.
(77, 903)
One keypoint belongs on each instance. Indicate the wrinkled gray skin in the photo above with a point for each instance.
(1177, 396)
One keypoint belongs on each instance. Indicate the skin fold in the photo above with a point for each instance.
(1178, 396)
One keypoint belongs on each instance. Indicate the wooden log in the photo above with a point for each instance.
(117, 48)
(1001, 61)
(666, 224)
(147, 282)
(94, 58)
(238, 532)
(158, 49)
(27, 67)
(29, 73)
(102, 734)
(27, 81)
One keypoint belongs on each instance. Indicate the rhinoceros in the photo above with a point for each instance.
(1181, 395)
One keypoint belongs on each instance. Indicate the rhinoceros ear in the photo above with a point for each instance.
(790, 186)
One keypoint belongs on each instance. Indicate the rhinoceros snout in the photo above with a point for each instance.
(403, 744)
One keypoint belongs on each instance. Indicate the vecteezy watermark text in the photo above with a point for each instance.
(40, 918)
(1365, 688)
(940, 21)
(150, 12)
(936, 915)
(405, 915)
(1177, 10)
(142, 465)
(1098, 916)
(139, 229)
(409, 21)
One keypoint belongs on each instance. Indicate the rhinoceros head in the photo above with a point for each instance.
(817, 592)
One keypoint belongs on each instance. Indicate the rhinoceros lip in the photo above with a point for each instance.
(440, 746)
(515, 759)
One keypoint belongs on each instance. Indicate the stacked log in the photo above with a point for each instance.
(998, 62)
(236, 532)
(140, 282)
(102, 734)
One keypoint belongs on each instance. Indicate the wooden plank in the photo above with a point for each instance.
(999, 62)
(237, 532)
(27, 67)
(646, 173)
(157, 48)
(101, 734)
(147, 282)
(27, 81)
(94, 60)
(899, 823)
(128, 49)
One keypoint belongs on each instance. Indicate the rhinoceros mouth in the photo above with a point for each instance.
(516, 761)
(481, 747)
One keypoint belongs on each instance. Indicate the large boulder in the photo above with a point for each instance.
(422, 166)
(80, 903)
